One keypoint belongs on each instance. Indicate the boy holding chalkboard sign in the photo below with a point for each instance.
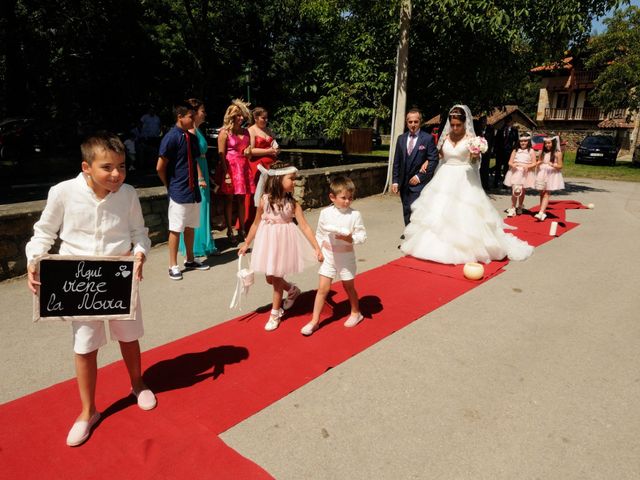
(96, 214)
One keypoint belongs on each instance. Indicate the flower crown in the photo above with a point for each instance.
(264, 174)
(275, 172)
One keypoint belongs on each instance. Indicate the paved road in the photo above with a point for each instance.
(533, 375)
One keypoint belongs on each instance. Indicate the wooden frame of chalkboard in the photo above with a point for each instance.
(85, 288)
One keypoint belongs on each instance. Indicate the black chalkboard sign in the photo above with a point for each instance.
(85, 288)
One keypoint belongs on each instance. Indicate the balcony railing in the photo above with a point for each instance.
(585, 113)
(582, 77)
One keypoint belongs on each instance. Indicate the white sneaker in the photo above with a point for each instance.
(541, 216)
(511, 212)
(274, 320)
(175, 273)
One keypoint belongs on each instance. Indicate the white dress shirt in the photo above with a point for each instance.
(87, 225)
(343, 222)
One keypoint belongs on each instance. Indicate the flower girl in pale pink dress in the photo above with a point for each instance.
(280, 247)
(549, 176)
(521, 175)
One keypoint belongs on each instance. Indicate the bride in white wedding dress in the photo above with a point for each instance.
(453, 220)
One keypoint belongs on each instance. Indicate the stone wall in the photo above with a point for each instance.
(312, 186)
(311, 189)
(572, 136)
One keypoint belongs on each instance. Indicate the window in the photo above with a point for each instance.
(562, 100)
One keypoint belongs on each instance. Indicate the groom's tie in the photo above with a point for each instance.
(412, 143)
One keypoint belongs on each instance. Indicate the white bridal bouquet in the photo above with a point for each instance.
(477, 145)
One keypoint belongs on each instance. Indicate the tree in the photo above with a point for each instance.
(479, 52)
(79, 63)
(318, 65)
(350, 79)
(616, 54)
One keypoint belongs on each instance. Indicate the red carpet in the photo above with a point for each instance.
(453, 271)
(536, 233)
(212, 380)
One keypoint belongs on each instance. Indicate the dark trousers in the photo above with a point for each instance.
(502, 165)
(484, 171)
(407, 197)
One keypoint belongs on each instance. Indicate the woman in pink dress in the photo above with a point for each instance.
(264, 151)
(233, 181)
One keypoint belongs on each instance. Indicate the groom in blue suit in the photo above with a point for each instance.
(414, 163)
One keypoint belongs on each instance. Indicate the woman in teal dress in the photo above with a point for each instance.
(203, 244)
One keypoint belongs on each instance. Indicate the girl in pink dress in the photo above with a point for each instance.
(233, 148)
(280, 246)
(520, 175)
(549, 176)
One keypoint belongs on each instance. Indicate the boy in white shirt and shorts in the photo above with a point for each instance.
(95, 214)
(339, 229)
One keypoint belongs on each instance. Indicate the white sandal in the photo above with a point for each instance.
(274, 320)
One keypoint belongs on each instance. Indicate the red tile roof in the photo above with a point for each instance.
(615, 123)
(565, 64)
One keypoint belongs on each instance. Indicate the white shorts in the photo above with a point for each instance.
(90, 336)
(182, 215)
(335, 264)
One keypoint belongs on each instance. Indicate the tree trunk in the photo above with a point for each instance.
(400, 93)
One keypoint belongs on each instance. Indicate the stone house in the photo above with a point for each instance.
(564, 105)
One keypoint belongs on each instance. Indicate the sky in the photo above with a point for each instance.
(598, 27)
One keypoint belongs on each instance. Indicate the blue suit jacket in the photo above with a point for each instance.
(406, 166)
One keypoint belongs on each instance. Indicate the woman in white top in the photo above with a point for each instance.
(453, 220)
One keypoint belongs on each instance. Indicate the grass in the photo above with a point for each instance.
(623, 171)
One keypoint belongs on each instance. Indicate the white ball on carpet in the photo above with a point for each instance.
(591, 206)
(473, 271)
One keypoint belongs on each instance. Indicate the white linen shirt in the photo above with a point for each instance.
(341, 221)
(88, 225)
